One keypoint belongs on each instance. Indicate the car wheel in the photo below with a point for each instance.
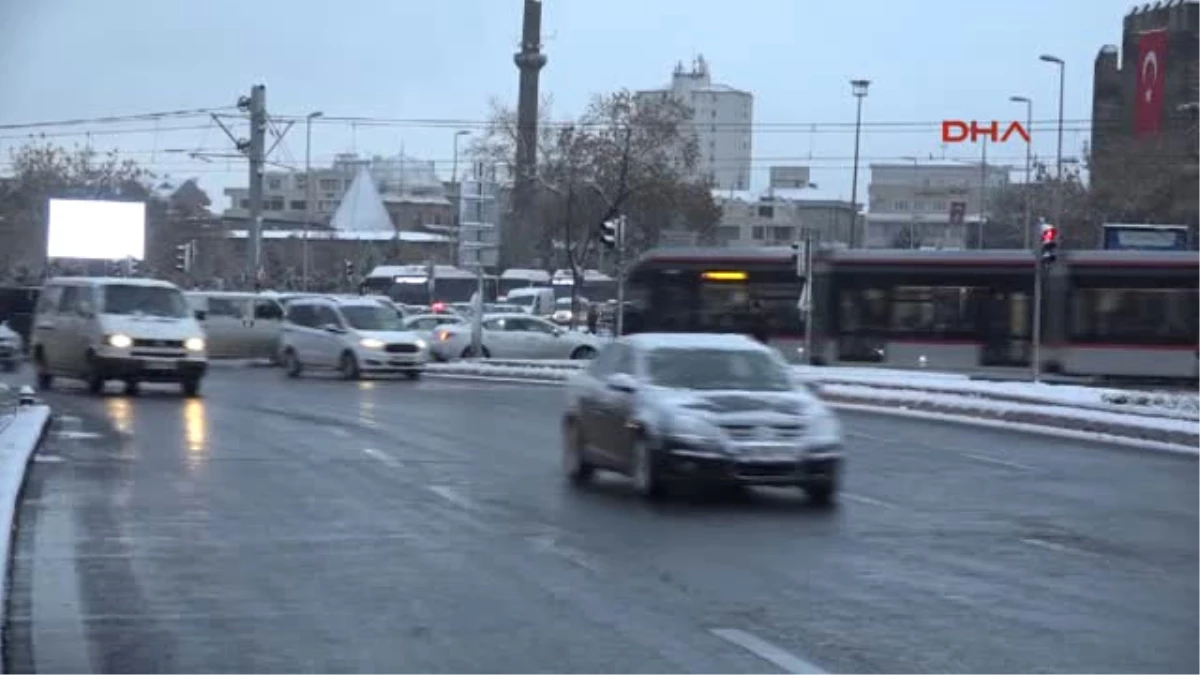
(291, 364)
(93, 377)
(132, 388)
(583, 353)
(348, 366)
(44, 379)
(190, 387)
(645, 474)
(414, 375)
(822, 494)
(575, 465)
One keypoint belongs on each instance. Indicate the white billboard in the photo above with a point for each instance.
(96, 230)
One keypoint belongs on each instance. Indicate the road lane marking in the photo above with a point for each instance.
(789, 662)
(70, 419)
(77, 435)
(999, 462)
(454, 497)
(548, 543)
(1054, 546)
(338, 431)
(382, 457)
(870, 501)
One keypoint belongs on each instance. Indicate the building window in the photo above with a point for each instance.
(274, 184)
(900, 205)
(783, 233)
(757, 233)
(301, 182)
(918, 206)
(939, 206)
(273, 204)
(728, 233)
(328, 184)
(298, 205)
(766, 212)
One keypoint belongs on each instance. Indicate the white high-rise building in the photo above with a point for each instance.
(722, 118)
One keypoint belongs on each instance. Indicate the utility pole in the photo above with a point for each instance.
(983, 176)
(258, 140)
(309, 192)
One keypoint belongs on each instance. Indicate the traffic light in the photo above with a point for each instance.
(183, 257)
(349, 266)
(1049, 243)
(132, 267)
(610, 233)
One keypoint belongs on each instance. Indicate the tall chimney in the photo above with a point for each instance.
(530, 61)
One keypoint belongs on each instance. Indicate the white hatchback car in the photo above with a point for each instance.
(515, 336)
(353, 336)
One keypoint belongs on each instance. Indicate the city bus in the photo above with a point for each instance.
(412, 284)
(597, 286)
(512, 279)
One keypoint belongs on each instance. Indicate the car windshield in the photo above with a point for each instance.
(522, 300)
(741, 369)
(132, 299)
(367, 317)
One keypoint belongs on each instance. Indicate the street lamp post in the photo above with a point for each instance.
(859, 89)
(1028, 239)
(1058, 188)
(912, 224)
(308, 192)
(457, 196)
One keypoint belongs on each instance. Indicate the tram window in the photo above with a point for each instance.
(862, 309)
(934, 310)
(1142, 315)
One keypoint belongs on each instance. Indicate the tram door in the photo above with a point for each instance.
(1005, 324)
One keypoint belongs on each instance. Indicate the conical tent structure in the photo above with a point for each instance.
(362, 208)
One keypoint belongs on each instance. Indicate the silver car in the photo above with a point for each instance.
(663, 408)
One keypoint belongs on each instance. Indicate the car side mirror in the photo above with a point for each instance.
(559, 332)
(200, 314)
(622, 382)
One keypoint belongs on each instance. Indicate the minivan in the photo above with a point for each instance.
(113, 328)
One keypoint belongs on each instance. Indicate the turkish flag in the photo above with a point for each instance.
(1152, 71)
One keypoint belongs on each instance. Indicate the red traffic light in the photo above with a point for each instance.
(1049, 234)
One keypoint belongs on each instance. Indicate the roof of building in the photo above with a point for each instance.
(813, 194)
(343, 235)
(362, 208)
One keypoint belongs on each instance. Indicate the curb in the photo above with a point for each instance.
(15, 454)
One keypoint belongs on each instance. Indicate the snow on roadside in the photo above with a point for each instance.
(1159, 429)
(18, 440)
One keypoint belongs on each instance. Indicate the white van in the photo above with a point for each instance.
(100, 329)
(239, 325)
(538, 301)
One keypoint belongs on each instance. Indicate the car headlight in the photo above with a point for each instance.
(692, 430)
(422, 345)
(194, 344)
(120, 341)
(371, 343)
(824, 427)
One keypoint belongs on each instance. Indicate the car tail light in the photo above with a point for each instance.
(439, 306)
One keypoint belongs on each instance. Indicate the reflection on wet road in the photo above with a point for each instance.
(320, 525)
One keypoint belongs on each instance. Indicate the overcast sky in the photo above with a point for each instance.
(439, 60)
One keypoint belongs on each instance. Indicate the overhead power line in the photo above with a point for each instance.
(141, 117)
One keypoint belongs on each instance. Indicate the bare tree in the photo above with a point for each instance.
(620, 156)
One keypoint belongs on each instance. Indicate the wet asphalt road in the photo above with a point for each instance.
(329, 526)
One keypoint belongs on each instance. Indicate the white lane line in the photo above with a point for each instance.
(870, 501)
(1060, 548)
(382, 457)
(70, 419)
(789, 662)
(454, 497)
(77, 435)
(999, 462)
(548, 543)
(338, 431)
